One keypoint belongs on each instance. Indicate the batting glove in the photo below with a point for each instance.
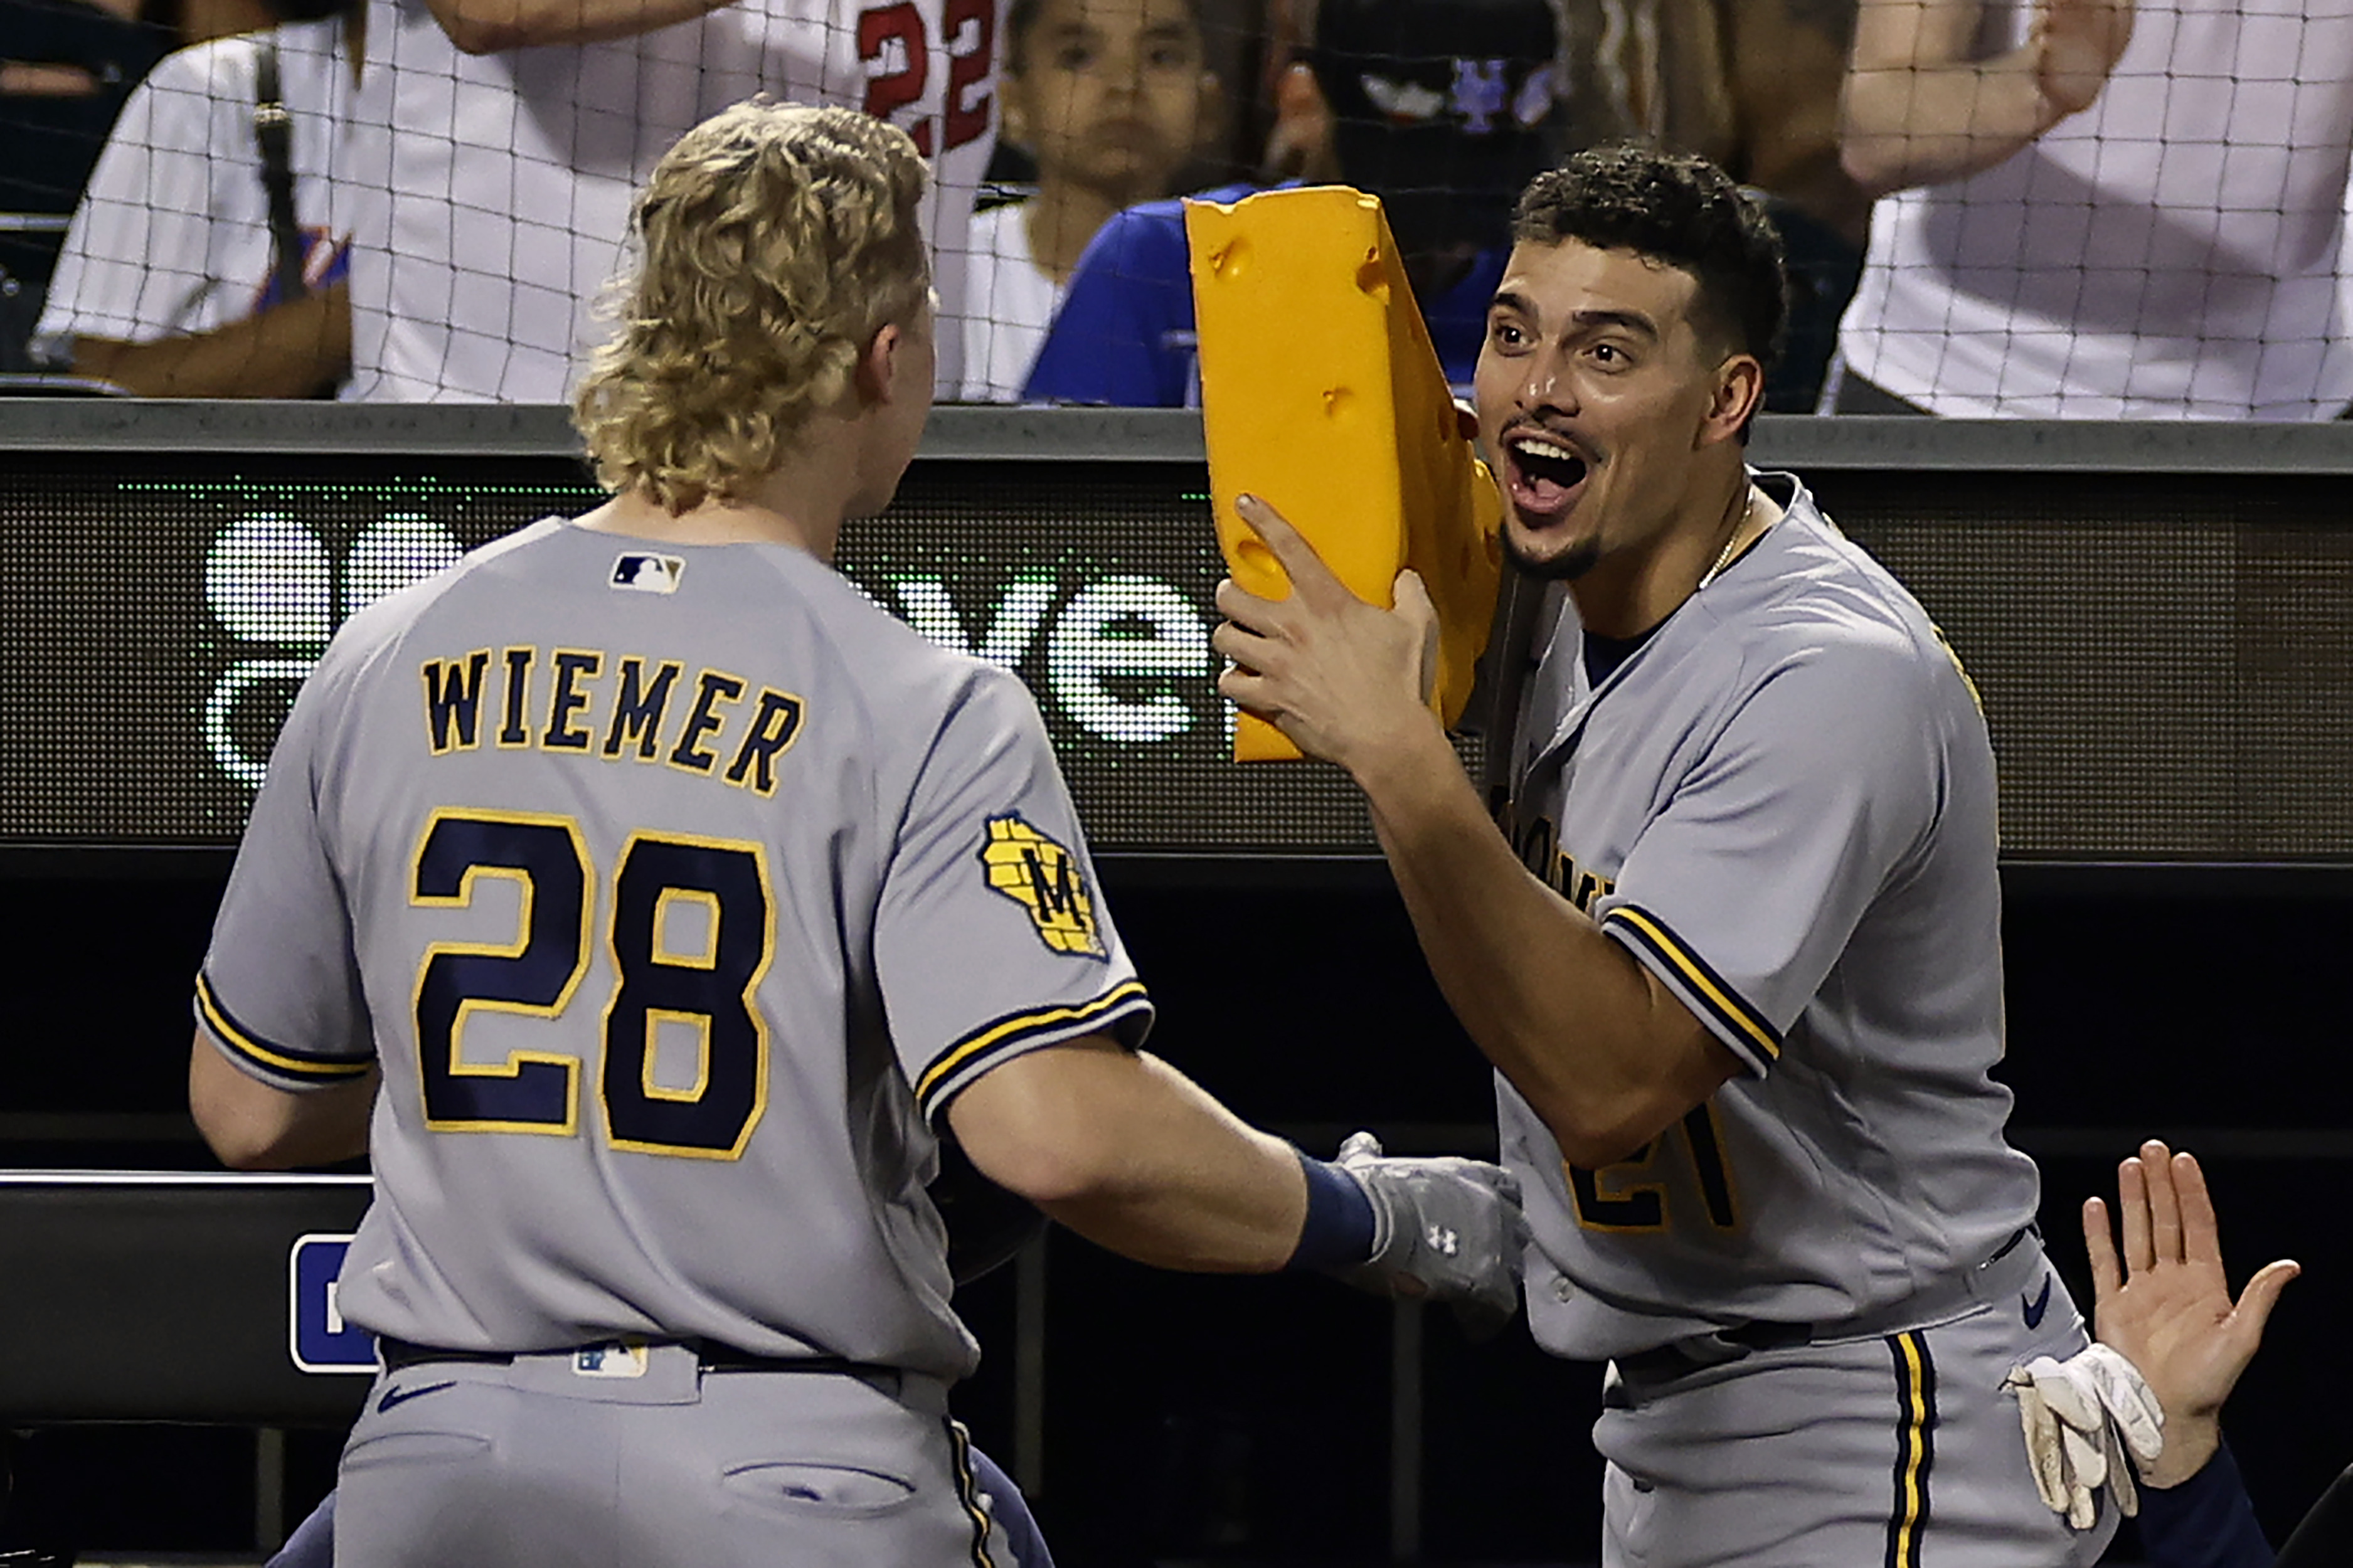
(2081, 1416)
(1445, 1229)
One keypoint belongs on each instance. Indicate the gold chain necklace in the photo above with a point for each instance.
(1748, 509)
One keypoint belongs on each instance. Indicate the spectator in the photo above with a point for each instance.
(1440, 108)
(68, 69)
(2124, 216)
(1113, 99)
(183, 274)
(2165, 1305)
(1751, 85)
(498, 175)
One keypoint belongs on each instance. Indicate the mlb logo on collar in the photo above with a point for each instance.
(644, 574)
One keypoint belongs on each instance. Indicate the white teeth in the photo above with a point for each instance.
(1536, 446)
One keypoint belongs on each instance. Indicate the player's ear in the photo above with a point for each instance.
(873, 378)
(1739, 393)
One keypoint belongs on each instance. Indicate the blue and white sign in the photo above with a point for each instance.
(316, 1335)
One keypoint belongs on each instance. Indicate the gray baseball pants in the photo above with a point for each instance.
(538, 1465)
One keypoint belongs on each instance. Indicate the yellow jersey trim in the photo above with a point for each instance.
(1718, 997)
(242, 1041)
(1022, 1026)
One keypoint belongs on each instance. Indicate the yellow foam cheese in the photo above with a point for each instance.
(1320, 392)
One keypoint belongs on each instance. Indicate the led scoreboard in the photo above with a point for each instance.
(2159, 616)
(164, 608)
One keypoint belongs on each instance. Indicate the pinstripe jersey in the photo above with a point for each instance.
(677, 889)
(1782, 804)
(490, 193)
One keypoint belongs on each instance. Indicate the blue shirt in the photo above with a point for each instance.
(1124, 335)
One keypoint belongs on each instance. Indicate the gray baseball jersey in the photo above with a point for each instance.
(1782, 804)
(676, 890)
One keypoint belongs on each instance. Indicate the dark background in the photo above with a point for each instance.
(1247, 1420)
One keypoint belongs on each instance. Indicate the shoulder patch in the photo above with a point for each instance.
(1043, 876)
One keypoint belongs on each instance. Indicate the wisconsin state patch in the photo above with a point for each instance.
(1043, 877)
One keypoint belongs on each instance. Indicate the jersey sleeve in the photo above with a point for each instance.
(992, 939)
(1741, 894)
(279, 992)
(1124, 335)
(133, 265)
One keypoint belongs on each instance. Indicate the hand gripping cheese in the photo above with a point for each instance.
(1321, 393)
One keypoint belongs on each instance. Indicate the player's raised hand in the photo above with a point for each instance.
(1445, 1229)
(2166, 1303)
(1341, 678)
(2077, 43)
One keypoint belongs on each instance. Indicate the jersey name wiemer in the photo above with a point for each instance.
(676, 897)
(592, 703)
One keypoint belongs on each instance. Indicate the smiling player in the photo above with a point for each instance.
(1736, 956)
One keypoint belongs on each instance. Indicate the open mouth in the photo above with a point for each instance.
(1545, 473)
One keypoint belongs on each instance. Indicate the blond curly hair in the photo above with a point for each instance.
(775, 240)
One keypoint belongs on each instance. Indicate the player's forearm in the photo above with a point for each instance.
(482, 27)
(1565, 1012)
(251, 1126)
(1902, 124)
(292, 349)
(1133, 1156)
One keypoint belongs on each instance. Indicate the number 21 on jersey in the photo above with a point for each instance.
(689, 929)
(1629, 1196)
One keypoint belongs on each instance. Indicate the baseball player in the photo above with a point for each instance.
(1735, 957)
(986, 1226)
(674, 893)
(496, 145)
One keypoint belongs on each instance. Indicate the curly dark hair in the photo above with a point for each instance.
(1677, 209)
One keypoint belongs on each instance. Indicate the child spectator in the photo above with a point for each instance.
(1111, 98)
(1441, 108)
(207, 258)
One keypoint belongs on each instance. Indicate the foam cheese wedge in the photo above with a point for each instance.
(1320, 392)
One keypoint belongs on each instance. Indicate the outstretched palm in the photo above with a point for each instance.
(2166, 1303)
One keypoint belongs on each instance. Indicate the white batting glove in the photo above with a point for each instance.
(2080, 1418)
(1445, 1229)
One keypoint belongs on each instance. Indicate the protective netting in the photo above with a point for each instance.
(428, 198)
(2114, 210)
(2163, 236)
